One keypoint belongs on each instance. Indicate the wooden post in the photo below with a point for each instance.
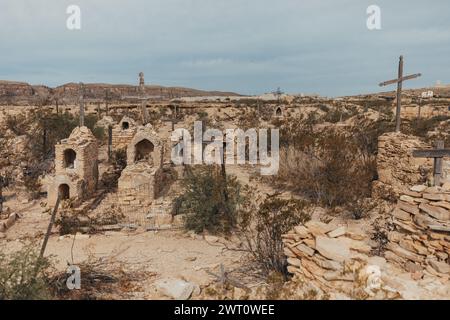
(399, 96)
(420, 109)
(109, 143)
(49, 228)
(81, 104)
(107, 101)
(44, 142)
(438, 165)
(99, 113)
(1, 194)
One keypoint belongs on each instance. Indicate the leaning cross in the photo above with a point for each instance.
(438, 153)
(399, 82)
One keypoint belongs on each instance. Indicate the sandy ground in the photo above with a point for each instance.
(159, 254)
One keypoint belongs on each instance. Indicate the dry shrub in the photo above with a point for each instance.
(331, 170)
(421, 126)
(330, 166)
(101, 278)
(249, 120)
(264, 224)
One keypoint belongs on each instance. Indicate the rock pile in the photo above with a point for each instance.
(331, 258)
(8, 222)
(421, 239)
(396, 166)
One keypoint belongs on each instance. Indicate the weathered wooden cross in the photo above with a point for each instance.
(107, 99)
(174, 119)
(1, 194)
(438, 154)
(141, 97)
(81, 104)
(399, 82)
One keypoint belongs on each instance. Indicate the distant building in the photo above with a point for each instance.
(427, 94)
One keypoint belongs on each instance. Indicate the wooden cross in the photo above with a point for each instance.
(142, 98)
(109, 142)
(81, 104)
(438, 153)
(107, 98)
(174, 117)
(399, 82)
(1, 194)
(278, 93)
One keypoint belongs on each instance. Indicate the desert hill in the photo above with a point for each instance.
(22, 93)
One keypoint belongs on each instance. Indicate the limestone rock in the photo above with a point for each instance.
(294, 262)
(423, 220)
(305, 249)
(443, 204)
(407, 199)
(434, 196)
(405, 253)
(357, 245)
(394, 236)
(302, 232)
(410, 208)
(337, 232)
(391, 256)
(439, 266)
(176, 289)
(211, 239)
(436, 212)
(400, 214)
(418, 188)
(327, 264)
(333, 249)
(318, 228)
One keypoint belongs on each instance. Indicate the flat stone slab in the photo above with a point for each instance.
(333, 249)
(436, 212)
(337, 232)
(176, 289)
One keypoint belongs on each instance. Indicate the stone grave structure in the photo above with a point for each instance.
(123, 133)
(144, 161)
(76, 167)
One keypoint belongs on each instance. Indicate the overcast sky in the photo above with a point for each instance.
(246, 46)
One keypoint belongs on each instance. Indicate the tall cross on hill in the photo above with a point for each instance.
(142, 98)
(81, 104)
(399, 82)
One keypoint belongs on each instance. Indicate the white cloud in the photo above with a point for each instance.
(247, 46)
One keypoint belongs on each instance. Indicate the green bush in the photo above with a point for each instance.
(24, 276)
(209, 200)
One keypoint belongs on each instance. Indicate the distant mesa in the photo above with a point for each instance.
(22, 93)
